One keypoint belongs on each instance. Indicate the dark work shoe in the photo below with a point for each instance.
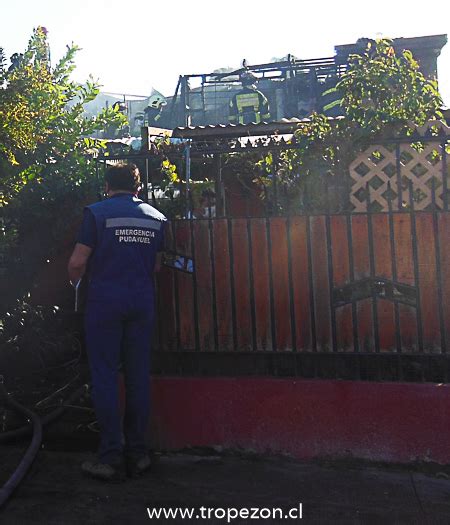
(137, 467)
(104, 471)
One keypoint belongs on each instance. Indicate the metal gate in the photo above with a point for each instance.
(346, 285)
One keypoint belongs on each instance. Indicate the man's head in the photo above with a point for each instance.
(248, 79)
(122, 178)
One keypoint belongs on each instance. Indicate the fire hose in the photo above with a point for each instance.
(36, 428)
(30, 454)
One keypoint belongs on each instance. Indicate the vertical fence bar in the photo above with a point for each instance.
(194, 279)
(187, 154)
(398, 167)
(177, 292)
(233, 291)
(330, 267)
(311, 286)
(209, 205)
(416, 266)
(224, 200)
(252, 284)
(291, 285)
(247, 202)
(398, 339)
(272, 301)
(266, 199)
(287, 200)
(348, 207)
(218, 187)
(444, 174)
(146, 181)
(376, 334)
(437, 253)
(351, 264)
(150, 181)
(97, 177)
(213, 279)
(275, 183)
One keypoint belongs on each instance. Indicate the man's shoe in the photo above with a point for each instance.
(137, 467)
(104, 471)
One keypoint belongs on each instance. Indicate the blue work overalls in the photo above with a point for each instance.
(119, 318)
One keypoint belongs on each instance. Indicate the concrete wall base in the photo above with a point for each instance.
(394, 422)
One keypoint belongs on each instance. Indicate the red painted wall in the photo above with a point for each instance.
(306, 418)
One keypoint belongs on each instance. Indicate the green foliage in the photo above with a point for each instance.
(381, 87)
(46, 166)
(168, 169)
(380, 94)
(42, 116)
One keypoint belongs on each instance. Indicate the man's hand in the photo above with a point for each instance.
(78, 262)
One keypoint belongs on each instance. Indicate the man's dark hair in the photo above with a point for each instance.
(123, 177)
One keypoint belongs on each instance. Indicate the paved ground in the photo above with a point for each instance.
(56, 493)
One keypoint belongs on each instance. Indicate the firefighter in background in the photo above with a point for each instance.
(152, 113)
(248, 105)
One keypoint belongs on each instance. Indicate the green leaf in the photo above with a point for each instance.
(330, 91)
(332, 105)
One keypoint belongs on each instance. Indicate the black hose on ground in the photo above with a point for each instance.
(30, 454)
(25, 430)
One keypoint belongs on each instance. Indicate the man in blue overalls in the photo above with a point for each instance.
(118, 249)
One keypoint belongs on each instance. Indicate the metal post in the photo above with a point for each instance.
(233, 291)
(330, 265)
(203, 96)
(212, 254)
(271, 293)
(311, 286)
(351, 264)
(218, 185)
(177, 293)
(437, 254)
(187, 154)
(275, 165)
(398, 168)
(416, 265)
(194, 285)
(146, 181)
(251, 282)
(174, 122)
(376, 334)
(185, 110)
(291, 285)
(99, 192)
(398, 339)
(444, 175)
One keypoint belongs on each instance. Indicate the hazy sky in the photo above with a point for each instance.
(134, 46)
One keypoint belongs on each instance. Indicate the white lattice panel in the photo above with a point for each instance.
(421, 184)
(376, 169)
(366, 169)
